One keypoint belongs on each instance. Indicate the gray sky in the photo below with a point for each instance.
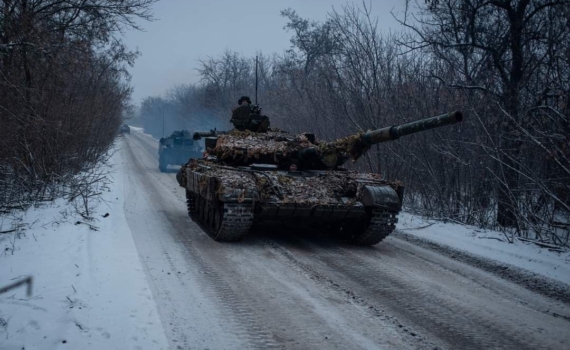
(187, 30)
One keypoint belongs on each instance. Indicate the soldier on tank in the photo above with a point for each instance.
(240, 114)
(248, 117)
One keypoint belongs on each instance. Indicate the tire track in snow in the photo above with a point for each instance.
(245, 324)
(435, 311)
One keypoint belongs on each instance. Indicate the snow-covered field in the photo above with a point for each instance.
(146, 277)
(89, 289)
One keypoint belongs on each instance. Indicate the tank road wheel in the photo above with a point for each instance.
(377, 226)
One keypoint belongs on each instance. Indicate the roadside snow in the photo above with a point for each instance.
(139, 130)
(489, 244)
(89, 287)
(136, 129)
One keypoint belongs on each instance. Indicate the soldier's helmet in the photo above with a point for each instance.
(244, 98)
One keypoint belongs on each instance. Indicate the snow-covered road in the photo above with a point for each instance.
(281, 288)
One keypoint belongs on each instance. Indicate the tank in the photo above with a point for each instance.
(249, 177)
(177, 149)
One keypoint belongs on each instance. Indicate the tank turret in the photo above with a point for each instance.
(243, 147)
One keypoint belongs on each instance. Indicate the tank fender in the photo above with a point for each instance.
(381, 197)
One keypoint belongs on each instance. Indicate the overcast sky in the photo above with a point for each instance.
(187, 30)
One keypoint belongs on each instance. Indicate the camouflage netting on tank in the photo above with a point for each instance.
(226, 179)
(250, 145)
(276, 186)
(350, 146)
(279, 145)
(331, 188)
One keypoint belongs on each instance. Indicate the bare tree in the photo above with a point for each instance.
(63, 88)
(500, 49)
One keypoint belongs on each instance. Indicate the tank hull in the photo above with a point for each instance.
(348, 204)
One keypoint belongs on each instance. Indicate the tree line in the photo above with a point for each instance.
(64, 90)
(504, 63)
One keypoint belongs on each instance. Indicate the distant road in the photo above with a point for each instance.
(282, 288)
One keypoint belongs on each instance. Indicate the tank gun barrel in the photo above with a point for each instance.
(212, 133)
(357, 147)
(336, 153)
(394, 132)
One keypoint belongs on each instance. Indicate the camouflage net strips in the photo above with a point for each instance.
(275, 146)
(250, 145)
(351, 145)
(324, 189)
(327, 188)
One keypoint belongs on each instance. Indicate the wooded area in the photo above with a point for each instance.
(504, 63)
(64, 91)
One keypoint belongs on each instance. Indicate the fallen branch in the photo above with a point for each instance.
(498, 239)
(542, 244)
(92, 227)
(557, 250)
(452, 220)
(2, 232)
(27, 280)
(417, 228)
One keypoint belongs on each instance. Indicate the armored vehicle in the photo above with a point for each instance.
(248, 177)
(177, 148)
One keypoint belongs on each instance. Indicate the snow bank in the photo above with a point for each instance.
(140, 130)
(489, 244)
(89, 287)
(136, 129)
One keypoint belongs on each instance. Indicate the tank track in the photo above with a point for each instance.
(224, 222)
(382, 223)
(190, 203)
(236, 222)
